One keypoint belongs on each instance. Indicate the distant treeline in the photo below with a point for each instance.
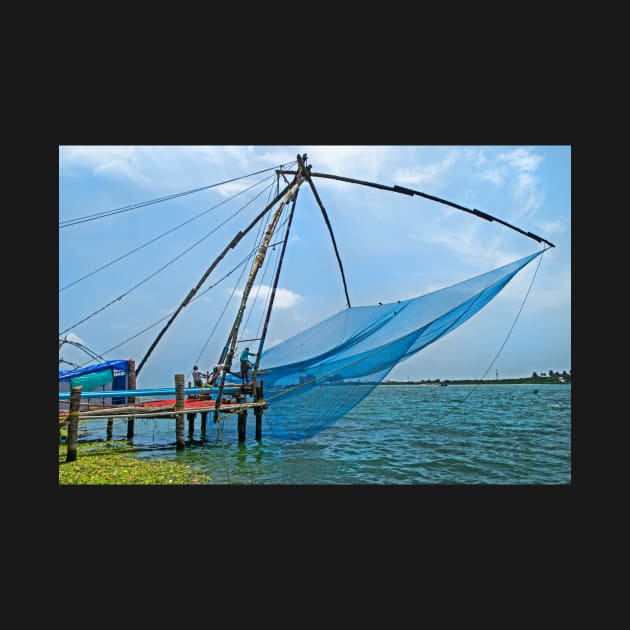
(535, 379)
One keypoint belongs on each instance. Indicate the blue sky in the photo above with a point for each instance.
(392, 247)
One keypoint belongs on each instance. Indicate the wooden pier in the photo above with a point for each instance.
(237, 399)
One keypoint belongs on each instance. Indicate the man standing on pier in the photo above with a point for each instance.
(198, 377)
(245, 363)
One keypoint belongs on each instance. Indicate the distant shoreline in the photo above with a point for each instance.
(503, 381)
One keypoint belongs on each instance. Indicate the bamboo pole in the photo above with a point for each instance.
(258, 411)
(242, 425)
(73, 425)
(131, 384)
(166, 410)
(196, 288)
(409, 191)
(332, 236)
(272, 297)
(180, 442)
(256, 265)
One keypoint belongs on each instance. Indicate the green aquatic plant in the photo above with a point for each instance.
(111, 464)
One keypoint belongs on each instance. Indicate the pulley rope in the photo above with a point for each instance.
(322, 377)
(122, 343)
(234, 289)
(157, 238)
(259, 239)
(267, 268)
(106, 213)
(168, 264)
(509, 333)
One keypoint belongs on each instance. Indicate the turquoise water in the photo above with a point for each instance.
(400, 434)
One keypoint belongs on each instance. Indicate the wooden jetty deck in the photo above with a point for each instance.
(236, 399)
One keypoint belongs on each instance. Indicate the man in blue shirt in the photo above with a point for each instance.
(245, 363)
(198, 377)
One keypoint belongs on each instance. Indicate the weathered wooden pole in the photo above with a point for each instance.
(196, 288)
(73, 425)
(228, 354)
(258, 411)
(191, 423)
(204, 420)
(242, 424)
(180, 443)
(131, 384)
(110, 429)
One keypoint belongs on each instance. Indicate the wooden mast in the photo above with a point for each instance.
(332, 236)
(409, 191)
(272, 297)
(228, 357)
(196, 288)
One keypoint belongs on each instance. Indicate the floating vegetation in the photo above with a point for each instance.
(110, 463)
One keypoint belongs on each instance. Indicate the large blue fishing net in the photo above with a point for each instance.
(314, 378)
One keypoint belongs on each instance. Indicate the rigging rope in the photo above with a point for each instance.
(168, 264)
(229, 300)
(159, 321)
(157, 238)
(518, 314)
(106, 213)
(258, 241)
(267, 267)
(239, 236)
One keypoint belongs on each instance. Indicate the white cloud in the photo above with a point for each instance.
(522, 159)
(73, 337)
(495, 176)
(551, 228)
(284, 298)
(278, 157)
(430, 174)
(170, 168)
(232, 188)
(360, 162)
(516, 168)
(111, 161)
(480, 158)
(527, 194)
(467, 245)
(552, 293)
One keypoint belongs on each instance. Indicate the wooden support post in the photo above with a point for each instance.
(180, 443)
(258, 414)
(258, 411)
(110, 429)
(204, 420)
(73, 425)
(131, 384)
(191, 423)
(242, 424)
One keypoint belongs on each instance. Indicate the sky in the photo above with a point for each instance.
(125, 266)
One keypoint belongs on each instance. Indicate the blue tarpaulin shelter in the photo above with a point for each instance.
(112, 374)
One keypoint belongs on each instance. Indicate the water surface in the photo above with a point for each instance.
(400, 434)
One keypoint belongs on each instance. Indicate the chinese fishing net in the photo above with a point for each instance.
(314, 378)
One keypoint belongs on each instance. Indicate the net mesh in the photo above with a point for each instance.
(314, 378)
